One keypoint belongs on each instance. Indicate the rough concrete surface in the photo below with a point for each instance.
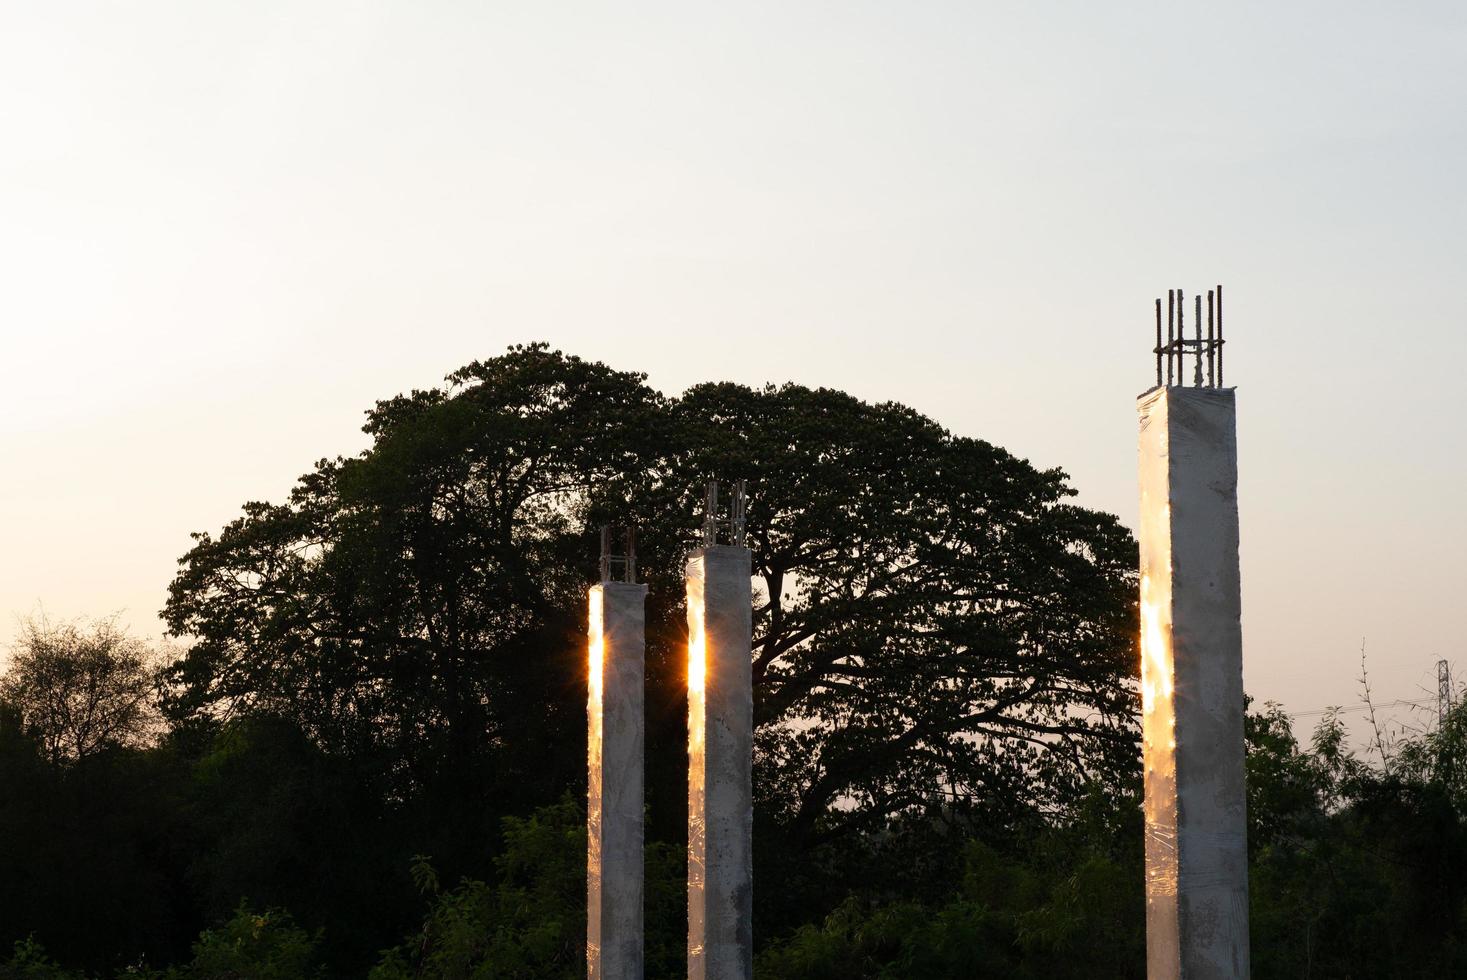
(1192, 687)
(615, 740)
(720, 766)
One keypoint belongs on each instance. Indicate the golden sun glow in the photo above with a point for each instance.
(596, 649)
(1156, 679)
(697, 722)
(697, 650)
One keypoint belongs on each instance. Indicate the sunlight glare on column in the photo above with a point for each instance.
(596, 648)
(1156, 673)
(697, 649)
(595, 655)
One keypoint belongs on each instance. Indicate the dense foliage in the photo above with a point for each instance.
(1357, 871)
(378, 722)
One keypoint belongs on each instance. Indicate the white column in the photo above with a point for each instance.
(720, 766)
(615, 737)
(1192, 687)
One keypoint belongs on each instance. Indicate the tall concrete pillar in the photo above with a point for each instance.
(1192, 684)
(614, 712)
(720, 766)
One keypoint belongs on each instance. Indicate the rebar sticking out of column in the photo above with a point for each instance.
(1179, 345)
(626, 562)
(710, 515)
(1171, 316)
(736, 516)
(1181, 335)
(1157, 349)
(1220, 340)
(1211, 344)
(1197, 331)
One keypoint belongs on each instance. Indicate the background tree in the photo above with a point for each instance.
(420, 609)
(940, 633)
(82, 687)
(942, 641)
(937, 628)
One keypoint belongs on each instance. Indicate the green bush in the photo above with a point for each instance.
(253, 946)
(529, 923)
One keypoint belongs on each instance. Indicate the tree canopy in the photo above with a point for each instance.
(938, 627)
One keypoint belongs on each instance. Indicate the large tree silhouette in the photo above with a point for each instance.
(937, 628)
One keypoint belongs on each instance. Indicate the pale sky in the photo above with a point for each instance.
(227, 228)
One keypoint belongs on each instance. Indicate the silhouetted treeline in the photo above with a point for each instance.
(1357, 870)
(370, 754)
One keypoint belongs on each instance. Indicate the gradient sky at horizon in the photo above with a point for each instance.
(227, 228)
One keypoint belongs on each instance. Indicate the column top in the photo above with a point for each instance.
(1154, 394)
(620, 588)
(722, 554)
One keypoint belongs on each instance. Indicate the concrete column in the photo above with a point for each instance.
(720, 766)
(1192, 686)
(615, 737)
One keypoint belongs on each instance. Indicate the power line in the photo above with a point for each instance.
(1362, 706)
(1443, 699)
